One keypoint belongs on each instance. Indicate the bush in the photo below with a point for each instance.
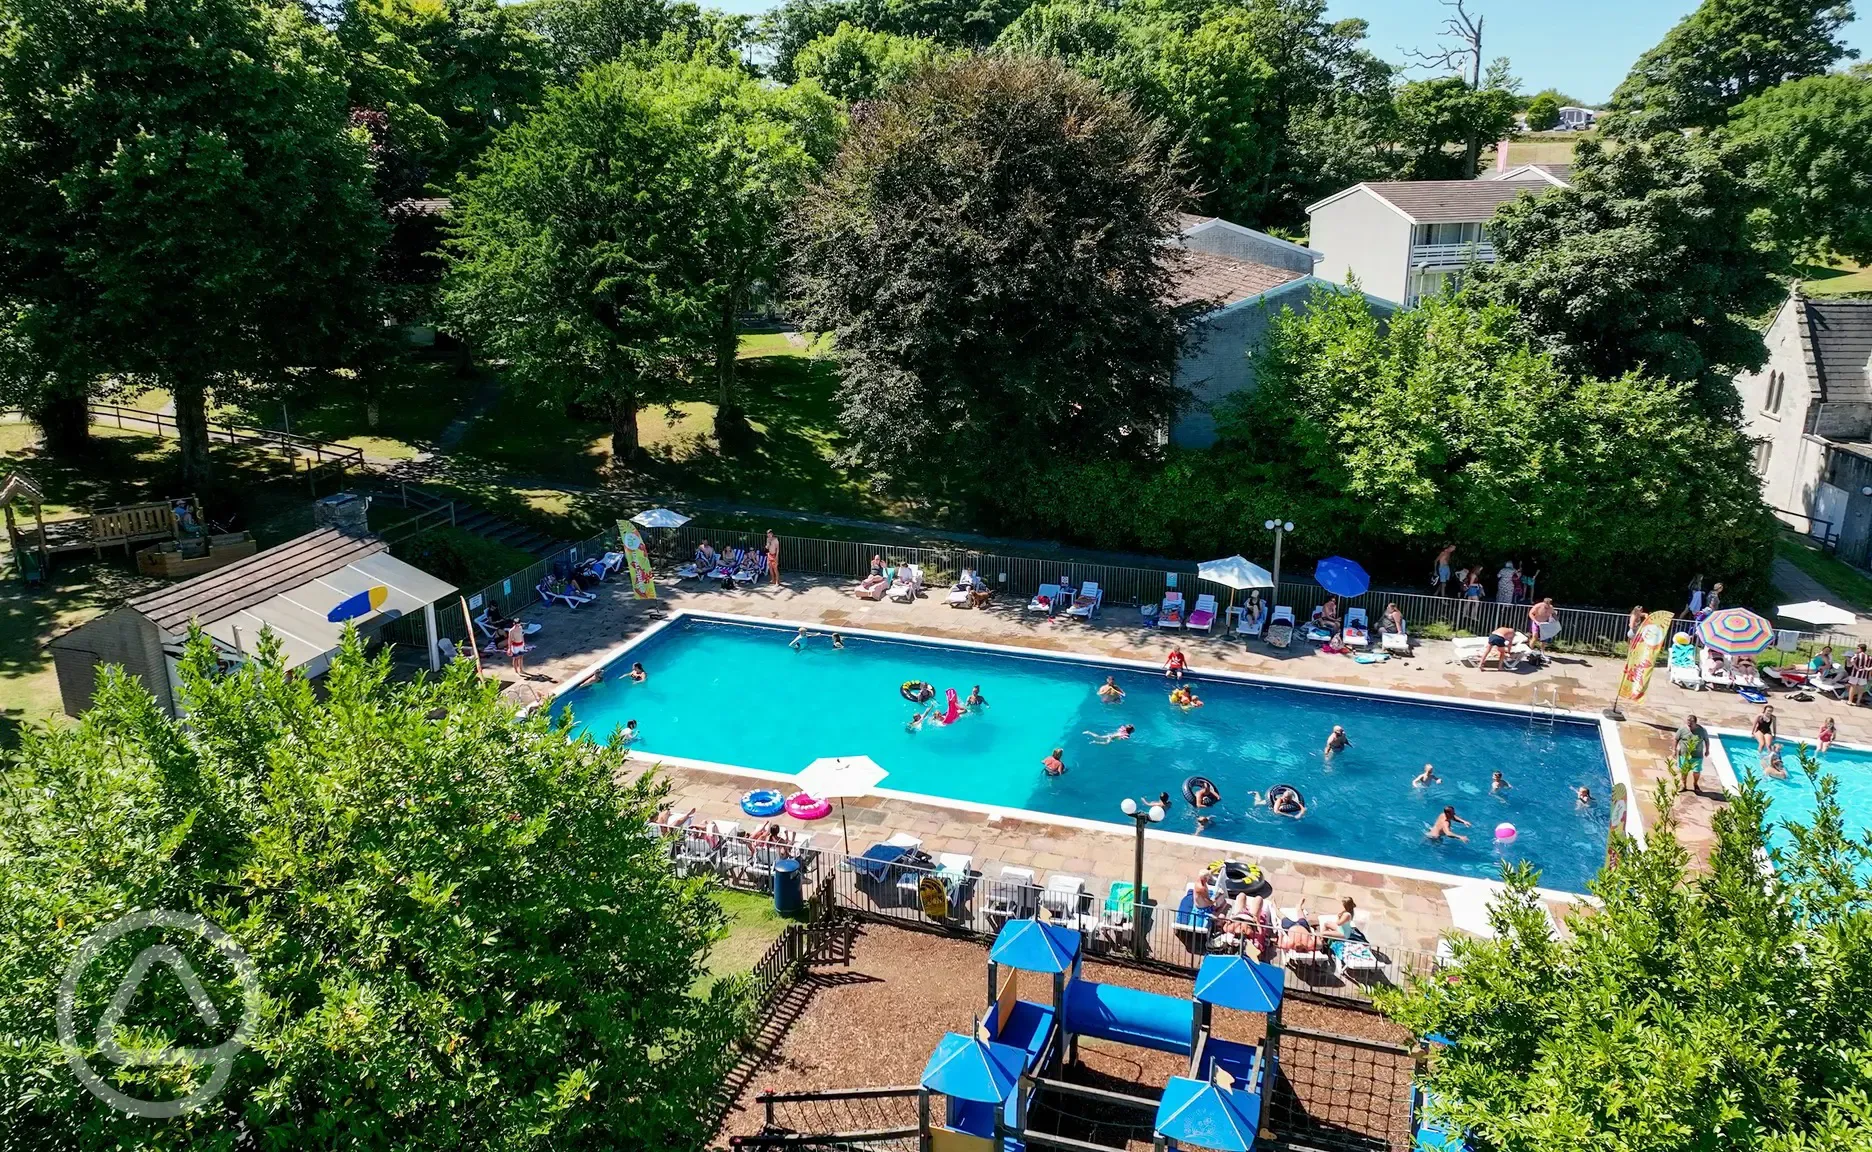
(1543, 114)
(462, 558)
(461, 937)
(1384, 440)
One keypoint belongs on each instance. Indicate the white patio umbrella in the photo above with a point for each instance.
(835, 778)
(659, 518)
(1236, 572)
(1817, 612)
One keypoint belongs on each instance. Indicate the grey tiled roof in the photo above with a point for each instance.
(219, 594)
(1452, 201)
(1218, 279)
(1840, 333)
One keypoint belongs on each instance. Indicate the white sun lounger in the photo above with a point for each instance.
(1357, 631)
(1203, 615)
(1063, 895)
(1715, 670)
(1170, 612)
(1086, 604)
(1047, 599)
(1246, 625)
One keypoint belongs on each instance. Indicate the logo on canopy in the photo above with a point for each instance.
(362, 604)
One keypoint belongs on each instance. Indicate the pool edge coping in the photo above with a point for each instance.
(1610, 744)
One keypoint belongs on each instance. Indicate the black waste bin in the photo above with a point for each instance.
(787, 893)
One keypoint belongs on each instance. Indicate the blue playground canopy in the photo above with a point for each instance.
(1035, 946)
(1240, 983)
(1192, 1112)
(965, 1068)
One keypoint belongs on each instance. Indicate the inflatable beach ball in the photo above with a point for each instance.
(1682, 638)
(1505, 833)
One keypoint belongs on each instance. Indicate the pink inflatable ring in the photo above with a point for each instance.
(806, 807)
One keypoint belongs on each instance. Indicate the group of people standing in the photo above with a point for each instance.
(1514, 584)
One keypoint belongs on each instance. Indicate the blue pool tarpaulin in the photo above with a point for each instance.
(966, 1068)
(1035, 946)
(1205, 1116)
(1341, 577)
(1240, 983)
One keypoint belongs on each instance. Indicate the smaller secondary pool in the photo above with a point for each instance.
(1793, 798)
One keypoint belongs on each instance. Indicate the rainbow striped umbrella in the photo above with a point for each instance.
(1735, 632)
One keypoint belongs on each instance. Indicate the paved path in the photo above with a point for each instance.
(1796, 586)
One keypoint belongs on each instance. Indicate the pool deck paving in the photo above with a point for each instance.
(1405, 912)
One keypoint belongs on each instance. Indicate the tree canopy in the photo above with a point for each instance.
(1720, 55)
(1809, 146)
(1434, 114)
(1543, 113)
(1270, 102)
(1707, 1011)
(857, 64)
(1652, 262)
(792, 24)
(574, 252)
(987, 251)
(461, 935)
(187, 203)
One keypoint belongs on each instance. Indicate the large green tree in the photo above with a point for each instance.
(602, 246)
(1435, 116)
(1692, 1011)
(1809, 144)
(582, 34)
(857, 64)
(185, 202)
(988, 253)
(1720, 55)
(1270, 102)
(1543, 113)
(461, 935)
(1653, 261)
(787, 28)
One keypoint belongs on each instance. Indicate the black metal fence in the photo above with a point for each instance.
(1341, 1093)
(1017, 578)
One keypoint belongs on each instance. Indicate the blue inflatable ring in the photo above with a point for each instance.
(762, 802)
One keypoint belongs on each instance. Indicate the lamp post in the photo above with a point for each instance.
(1143, 818)
(1279, 528)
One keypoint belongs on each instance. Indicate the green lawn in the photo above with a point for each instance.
(1851, 586)
(753, 926)
(1844, 279)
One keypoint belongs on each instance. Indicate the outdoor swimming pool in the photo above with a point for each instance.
(1793, 798)
(736, 694)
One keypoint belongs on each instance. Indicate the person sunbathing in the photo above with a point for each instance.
(1297, 933)
(872, 584)
(1328, 615)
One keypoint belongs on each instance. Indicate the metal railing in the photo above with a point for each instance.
(319, 455)
(1019, 577)
(1453, 255)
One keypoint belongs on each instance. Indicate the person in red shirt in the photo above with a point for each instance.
(1174, 663)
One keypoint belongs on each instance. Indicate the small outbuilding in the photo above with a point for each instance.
(303, 590)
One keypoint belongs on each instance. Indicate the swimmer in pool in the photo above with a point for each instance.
(1109, 691)
(630, 735)
(975, 698)
(798, 642)
(1055, 764)
(1583, 794)
(1123, 733)
(1444, 826)
(638, 675)
(1774, 767)
(916, 722)
(1202, 824)
(1336, 740)
(1207, 795)
(838, 641)
(1498, 783)
(1426, 778)
(1186, 698)
(1282, 800)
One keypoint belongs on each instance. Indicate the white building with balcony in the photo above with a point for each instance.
(1404, 240)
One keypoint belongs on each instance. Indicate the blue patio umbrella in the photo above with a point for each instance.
(965, 1068)
(1341, 577)
(1234, 981)
(1035, 946)
(1207, 1116)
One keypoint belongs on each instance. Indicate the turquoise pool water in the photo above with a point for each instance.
(1793, 798)
(737, 694)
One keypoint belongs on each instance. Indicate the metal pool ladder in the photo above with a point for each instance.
(1546, 708)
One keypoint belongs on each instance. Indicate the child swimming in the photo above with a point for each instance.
(1426, 778)
(1123, 733)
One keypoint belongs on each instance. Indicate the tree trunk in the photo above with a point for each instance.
(731, 425)
(191, 416)
(64, 419)
(624, 445)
